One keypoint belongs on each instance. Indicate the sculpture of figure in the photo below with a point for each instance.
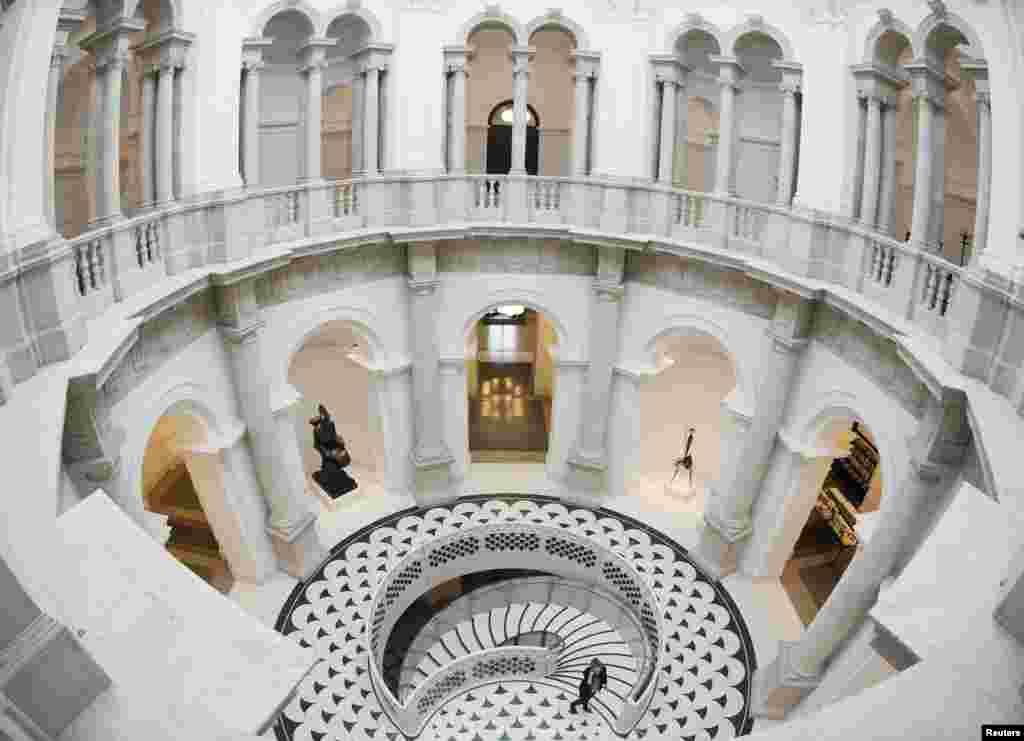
(332, 476)
(686, 459)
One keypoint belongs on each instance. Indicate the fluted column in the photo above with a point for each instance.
(787, 153)
(730, 72)
(57, 59)
(147, 144)
(887, 199)
(872, 160)
(583, 78)
(984, 195)
(937, 455)
(728, 512)
(165, 133)
(456, 59)
(521, 57)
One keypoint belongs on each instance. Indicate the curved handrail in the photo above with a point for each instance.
(532, 545)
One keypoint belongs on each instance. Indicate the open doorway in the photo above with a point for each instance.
(840, 520)
(499, 139)
(169, 488)
(510, 384)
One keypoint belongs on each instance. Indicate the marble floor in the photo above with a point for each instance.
(767, 610)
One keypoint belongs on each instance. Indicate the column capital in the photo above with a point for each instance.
(423, 286)
(252, 50)
(170, 46)
(314, 66)
(374, 57)
(456, 57)
(314, 50)
(253, 65)
(521, 58)
(983, 99)
(235, 335)
(112, 40)
(730, 70)
(790, 87)
(606, 290)
(586, 62)
(668, 69)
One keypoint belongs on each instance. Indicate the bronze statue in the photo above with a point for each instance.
(686, 459)
(332, 476)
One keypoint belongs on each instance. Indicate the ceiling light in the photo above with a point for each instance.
(511, 311)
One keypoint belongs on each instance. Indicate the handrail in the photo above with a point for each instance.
(487, 546)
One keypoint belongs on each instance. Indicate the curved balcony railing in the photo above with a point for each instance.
(491, 546)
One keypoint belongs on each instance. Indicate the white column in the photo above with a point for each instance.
(581, 122)
(921, 221)
(371, 121)
(251, 151)
(430, 443)
(667, 149)
(165, 134)
(887, 200)
(313, 120)
(872, 161)
(146, 148)
(729, 75)
(984, 194)
(109, 66)
(938, 204)
(787, 154)
(52, 99)
(457, 157)
(358, 108)
(520, 81)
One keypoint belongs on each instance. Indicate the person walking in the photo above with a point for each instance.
(595, 677)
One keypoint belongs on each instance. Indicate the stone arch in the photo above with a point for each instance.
(757, 26)
(303, 327)
(300, 6)
(683, 325)
(695, 22)
(341, 11)
(171, 7)
(188, 398)
(887, 25)
(491, 19)
(561, 22)
(840, 403)
(566, 344)
(932, 23)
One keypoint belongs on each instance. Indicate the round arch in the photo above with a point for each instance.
(565, 342)
(300, 6)
(690, 325)
(343, 11)
(694, 23)
(491, 19)
(305, 326)
(560, 22)
(173, 7)
(933, 22)
(752, 26)
(880, 29)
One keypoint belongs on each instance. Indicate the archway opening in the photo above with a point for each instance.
(331, 368)
(499, 139)
(339, 150)
(844, 493)
(551, 92)
(697, 374)
(179, 484)
(759, 129)
(697, 132)
(510, 384)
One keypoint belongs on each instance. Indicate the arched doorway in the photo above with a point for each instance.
(183, 487)
(510, 384)
(697, 135)
(339, 150)
(331, 368)
(499, 139)
(759, 118)
(697, 374)
(844, 494)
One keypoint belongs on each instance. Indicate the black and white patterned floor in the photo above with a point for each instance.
(704, 689)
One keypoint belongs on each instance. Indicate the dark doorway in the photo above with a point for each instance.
(499, 140)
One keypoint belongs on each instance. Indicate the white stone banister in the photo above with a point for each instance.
(532, 546)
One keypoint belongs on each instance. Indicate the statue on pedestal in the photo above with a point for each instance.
(331, 477)
(686, 459)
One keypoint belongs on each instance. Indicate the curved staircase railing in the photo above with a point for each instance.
(491, 546)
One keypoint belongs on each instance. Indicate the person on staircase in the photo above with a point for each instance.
(595, 677)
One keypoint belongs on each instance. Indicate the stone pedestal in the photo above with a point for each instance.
(334, 481)
(435, 482)
(681, 488)
(299, 551)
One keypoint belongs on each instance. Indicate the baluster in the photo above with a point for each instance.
(139, 246)
(947, 294)
(355, 199)
(101, 270)
(80, 270)
(874, 264)
(891, 266)
(90, 262)
(699, 210)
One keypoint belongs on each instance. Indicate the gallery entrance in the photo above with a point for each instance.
(499, 140)
(840, 520)
(510, 386)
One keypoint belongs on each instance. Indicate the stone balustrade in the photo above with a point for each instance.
(490, 546)
(112, 263)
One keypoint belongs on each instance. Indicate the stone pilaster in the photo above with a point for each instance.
(937, 455)
(730, 73)
(57, 61)
(373, 61)
(929, 95)
(983, 201)
(456, 59)
(252, 64)
(271, 433)
(792, 77)
(728, 514)
(435, 479)
(668, 76)
(312, 56)
(147, 143)
(887, 199)
(584, 79)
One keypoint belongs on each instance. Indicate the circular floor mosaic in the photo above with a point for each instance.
(704, 688)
